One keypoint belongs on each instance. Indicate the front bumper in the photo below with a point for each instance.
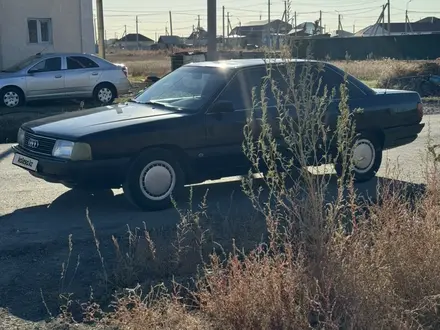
(108, 173)
(399, 136)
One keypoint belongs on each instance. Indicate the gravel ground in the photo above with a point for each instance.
(36, 219)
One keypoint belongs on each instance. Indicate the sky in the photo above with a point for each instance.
(154, 19)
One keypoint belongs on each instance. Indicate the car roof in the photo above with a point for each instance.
(64, 54)
(243, 63)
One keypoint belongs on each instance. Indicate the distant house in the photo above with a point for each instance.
(44, 25)
(134, 41)
(169, 41)
(427, 25)
(261, 32)
(342, 34)
(306, 29)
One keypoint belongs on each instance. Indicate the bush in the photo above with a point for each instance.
(414, 78)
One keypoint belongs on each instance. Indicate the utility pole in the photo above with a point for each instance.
(295, 23)
(268, 21)
(406, 21)
(223, 16)
(389, 18)
(212, 30)
(137, 32)
(95, 23)
(227, 27)
(320, 22)
(198, 22)
(125, 36)
(100, 19)
(171, 23)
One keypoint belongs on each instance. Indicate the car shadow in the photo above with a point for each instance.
(6, 153)
(35, 241)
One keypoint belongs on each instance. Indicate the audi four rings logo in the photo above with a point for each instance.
(33, 143)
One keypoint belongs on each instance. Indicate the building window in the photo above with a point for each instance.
(40, 31)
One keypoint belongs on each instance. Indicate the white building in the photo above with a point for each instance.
(31, 26)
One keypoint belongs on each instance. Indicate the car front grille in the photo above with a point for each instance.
(38, 144)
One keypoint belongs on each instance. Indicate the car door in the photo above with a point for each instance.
(224, 131)
(82, 75)
(45, 79)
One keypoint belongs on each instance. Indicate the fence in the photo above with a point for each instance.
(406, 47)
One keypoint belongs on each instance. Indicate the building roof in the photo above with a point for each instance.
(169, 40)
(425, 25)
(198, 34)
(259, 26)
(430, 19)
(132, 37)
(342, 33)
(306, 28)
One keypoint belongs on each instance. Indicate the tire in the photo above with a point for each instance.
(104, 94)
(370, 148)
(142, 187)
(11, 97)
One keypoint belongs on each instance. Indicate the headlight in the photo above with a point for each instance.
(20, 137)
(72, 150)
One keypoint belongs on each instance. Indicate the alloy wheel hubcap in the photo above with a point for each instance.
(364, 155)
(157, 180)
(105, 95)
(11, 99)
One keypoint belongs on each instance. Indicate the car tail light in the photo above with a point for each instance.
(124, 69)
(420, 109)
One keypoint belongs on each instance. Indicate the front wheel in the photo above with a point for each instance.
(11, 97)
(153, 180)
(367, 158)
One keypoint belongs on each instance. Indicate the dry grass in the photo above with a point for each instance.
(374, 70)
(383, 275)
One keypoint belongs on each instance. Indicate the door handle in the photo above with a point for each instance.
(58, 76)
(94, 73)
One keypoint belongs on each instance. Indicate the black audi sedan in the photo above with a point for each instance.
(188, 127)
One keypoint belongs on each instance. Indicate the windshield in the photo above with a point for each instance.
(188, 88)
(21, 65)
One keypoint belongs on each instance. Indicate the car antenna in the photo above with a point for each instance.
(39, 53)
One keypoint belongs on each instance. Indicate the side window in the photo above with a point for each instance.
(333, 79)
(48, 65)
(80, 62)
(239, 90)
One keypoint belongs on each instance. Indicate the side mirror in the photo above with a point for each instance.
(222, 107)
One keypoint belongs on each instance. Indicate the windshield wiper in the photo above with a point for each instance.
(160, 104)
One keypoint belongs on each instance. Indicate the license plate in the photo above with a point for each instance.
(25, 162)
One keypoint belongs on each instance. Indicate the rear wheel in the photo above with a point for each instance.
(104, 94)
(154, 178)
(11, 97)
(367, 158)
